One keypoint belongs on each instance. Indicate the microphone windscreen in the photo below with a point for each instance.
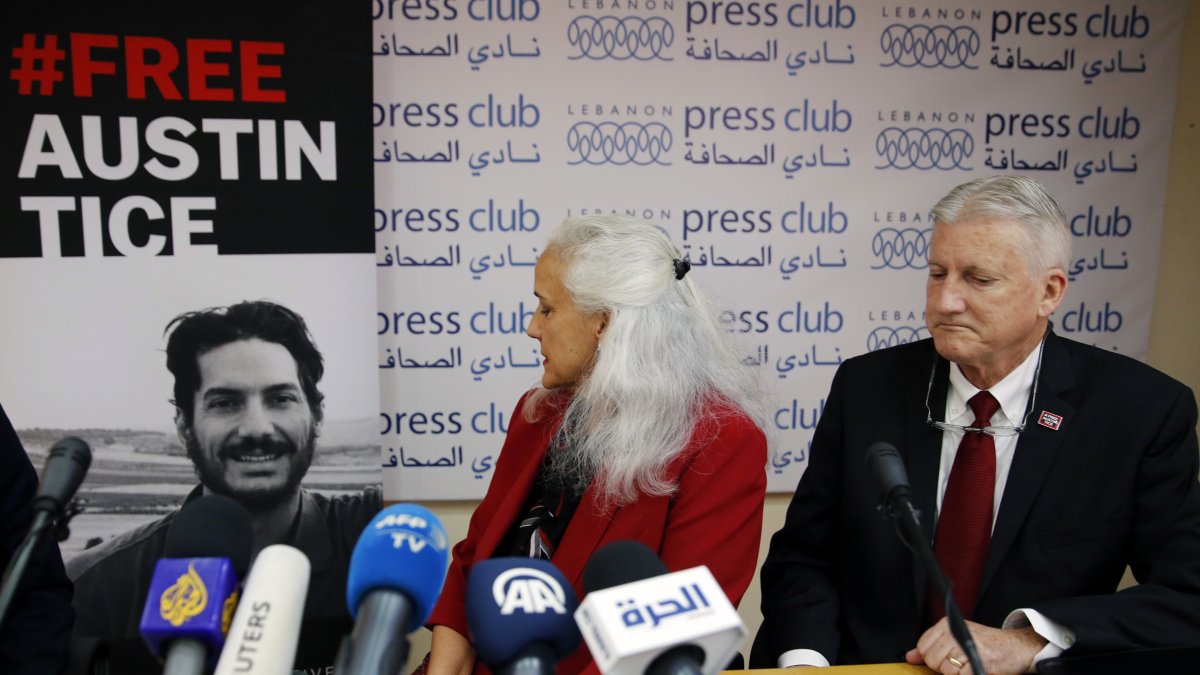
(515, 602)
(621, 562)
(404, 548)
(213, 526)
(884, 462)
(66, 466)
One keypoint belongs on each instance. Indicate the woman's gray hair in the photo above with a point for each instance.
(664, 361)
(1021, 200)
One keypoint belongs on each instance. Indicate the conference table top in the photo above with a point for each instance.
(870, 669)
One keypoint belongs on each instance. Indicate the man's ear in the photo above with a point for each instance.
(1054, 289)
(182, 429)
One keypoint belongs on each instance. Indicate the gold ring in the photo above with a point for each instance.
(955, 662)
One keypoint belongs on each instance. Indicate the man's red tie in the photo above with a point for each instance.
(964, 527)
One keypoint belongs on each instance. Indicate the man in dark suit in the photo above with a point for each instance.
(1041, 467)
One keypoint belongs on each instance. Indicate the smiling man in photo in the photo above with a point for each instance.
(249, 414)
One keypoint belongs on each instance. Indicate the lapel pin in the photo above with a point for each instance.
(1050, 420)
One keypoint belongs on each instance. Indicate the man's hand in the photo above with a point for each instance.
(1001, 651)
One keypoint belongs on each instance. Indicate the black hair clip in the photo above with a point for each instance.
(681, 268)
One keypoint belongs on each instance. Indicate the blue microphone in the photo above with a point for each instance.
(396, 575)
(520, 614)
(194, 590)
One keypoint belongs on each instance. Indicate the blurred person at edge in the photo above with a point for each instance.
(1078, 462)
(646, 426)
(33, 639)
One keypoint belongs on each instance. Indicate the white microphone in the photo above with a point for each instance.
(672, 623)
(265, 631)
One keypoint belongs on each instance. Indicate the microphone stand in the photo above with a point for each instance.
(900, 508)
(42, 521)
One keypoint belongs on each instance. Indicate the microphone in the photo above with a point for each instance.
(637, 618)
(885, 464)
(265, 631)
(519, 611)
(396, 574)
(194, 589)
(66, 465)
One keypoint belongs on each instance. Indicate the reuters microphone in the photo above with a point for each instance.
(396, 575)
(265, 631)
(194, 590)
(668, 624)
(519, 613)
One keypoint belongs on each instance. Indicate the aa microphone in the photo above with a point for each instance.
(66, 465)
(885, 464)
(263, 637)
(194, 589)
(636, 618)
(396, 574)
(519, 612)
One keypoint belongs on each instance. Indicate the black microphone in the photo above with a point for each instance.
(619, 563)
(66, 465)
(885, 464)
(888, 468)
(194, 590)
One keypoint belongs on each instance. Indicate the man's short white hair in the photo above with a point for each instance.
(1021, 201)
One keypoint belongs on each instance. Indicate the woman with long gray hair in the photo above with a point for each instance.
(646, 426)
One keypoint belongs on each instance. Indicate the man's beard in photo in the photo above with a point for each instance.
(212, 474)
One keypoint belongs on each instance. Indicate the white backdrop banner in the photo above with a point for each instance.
(791, 149)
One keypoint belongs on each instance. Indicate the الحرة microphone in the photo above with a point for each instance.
(637, 618)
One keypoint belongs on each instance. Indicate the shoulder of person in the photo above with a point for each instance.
(550, 406)
(719, 422)
(121, 553)
(368, 502)
(1094, 366)
(920, 350)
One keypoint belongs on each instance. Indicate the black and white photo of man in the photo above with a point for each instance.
(249, 414)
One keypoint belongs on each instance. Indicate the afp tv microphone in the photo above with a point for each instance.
(194, 590)
(519, 611)
(638, 618)
(396, 575)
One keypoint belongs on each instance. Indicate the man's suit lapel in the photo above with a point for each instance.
(1036, 449)
(923, 452)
